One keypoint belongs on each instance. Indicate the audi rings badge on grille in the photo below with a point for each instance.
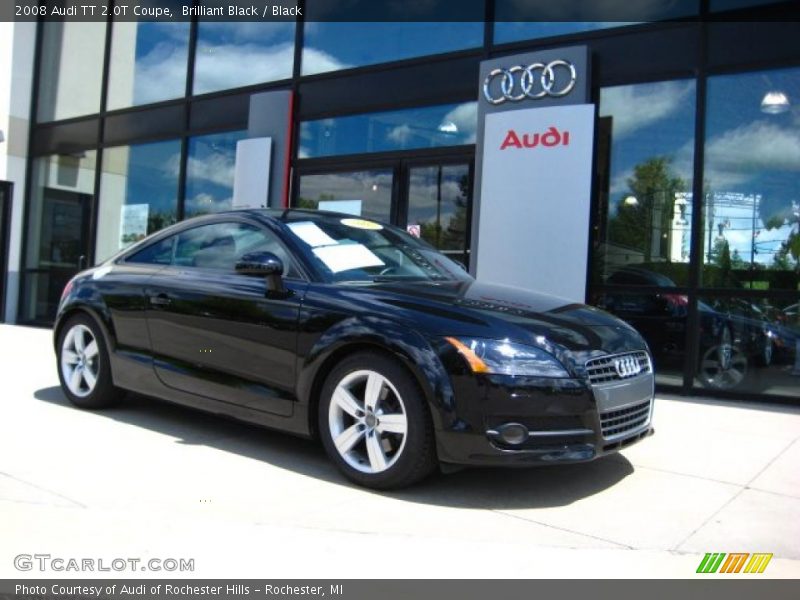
(627, 366)
(535, 81)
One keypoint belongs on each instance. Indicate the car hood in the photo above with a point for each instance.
(480, 309)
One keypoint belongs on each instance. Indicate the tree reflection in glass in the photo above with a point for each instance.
(645, 162)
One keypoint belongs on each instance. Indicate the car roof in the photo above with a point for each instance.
(291, 214)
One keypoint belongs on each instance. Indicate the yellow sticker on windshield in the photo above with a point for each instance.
(361, 224)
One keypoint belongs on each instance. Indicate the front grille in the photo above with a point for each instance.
(603, 369)
(615, 423)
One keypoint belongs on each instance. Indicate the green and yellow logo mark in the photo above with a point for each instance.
(713, 562)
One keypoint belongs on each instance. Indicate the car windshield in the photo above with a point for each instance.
(351, 249)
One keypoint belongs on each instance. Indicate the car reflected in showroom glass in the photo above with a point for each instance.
(348, 330)
(744, 344)
(762, 353)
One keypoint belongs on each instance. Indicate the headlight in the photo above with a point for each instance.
(507, 358)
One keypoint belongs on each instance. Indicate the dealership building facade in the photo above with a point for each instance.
(113, 130)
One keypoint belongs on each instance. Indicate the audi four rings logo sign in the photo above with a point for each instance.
(535, 81)
(627, 366)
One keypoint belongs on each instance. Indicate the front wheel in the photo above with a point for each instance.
(84, 369)
(375, 424)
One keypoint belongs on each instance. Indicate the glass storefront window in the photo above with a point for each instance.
(231, 55)
(749, 345)
(333, 46)
(58, 229)
(425, 127)
(645, 156)
(518, 20)
(148, 62)
(138, 194)
(364, 193)
(210, 173)
(438, 206)
(517, 31)
(751, 207)
(71, 69)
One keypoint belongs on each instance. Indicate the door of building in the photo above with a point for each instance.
(430, 197)
(60, 250)
(436, 202)
(5, 218)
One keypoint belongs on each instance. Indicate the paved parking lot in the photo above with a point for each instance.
(151, 480)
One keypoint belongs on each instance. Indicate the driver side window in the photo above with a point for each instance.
(216, 246)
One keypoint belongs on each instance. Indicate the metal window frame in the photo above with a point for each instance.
(7, 190)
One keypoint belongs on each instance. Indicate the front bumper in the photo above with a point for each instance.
(564, 421)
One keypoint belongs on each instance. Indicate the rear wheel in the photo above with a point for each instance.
(84, 369)
(374, 423)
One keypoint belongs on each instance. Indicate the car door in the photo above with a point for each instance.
(219, 334)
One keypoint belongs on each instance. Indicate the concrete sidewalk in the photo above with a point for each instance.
(151, 480)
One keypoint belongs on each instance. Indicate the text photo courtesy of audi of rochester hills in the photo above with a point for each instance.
(358, 298)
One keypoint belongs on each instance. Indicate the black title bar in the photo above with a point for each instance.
(397, 10)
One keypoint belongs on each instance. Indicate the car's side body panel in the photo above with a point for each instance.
(133, 367)
(331, 325)
(220, 335)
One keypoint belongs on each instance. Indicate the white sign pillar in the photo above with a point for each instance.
(533, 173)
(252, 173)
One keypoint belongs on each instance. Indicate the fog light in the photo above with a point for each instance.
(513, 433)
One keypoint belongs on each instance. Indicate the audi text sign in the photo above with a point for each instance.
(533, 172)
(535, 199)
(548, 139)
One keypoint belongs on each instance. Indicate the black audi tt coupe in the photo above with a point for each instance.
(330, 326)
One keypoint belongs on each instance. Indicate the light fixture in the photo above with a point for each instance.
(630, 201)
(447, 127)
(374, 187)
(775, 103)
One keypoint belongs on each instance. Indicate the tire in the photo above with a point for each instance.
(357, 399)
(84, 369)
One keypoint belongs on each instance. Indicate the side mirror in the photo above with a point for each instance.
(263, 264)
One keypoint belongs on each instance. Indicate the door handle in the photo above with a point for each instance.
(160, 300)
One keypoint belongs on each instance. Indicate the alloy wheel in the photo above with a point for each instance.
(367, 421)
(723, 369)
(80, 360)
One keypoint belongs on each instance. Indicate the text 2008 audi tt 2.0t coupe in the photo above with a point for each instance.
(326, 325)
